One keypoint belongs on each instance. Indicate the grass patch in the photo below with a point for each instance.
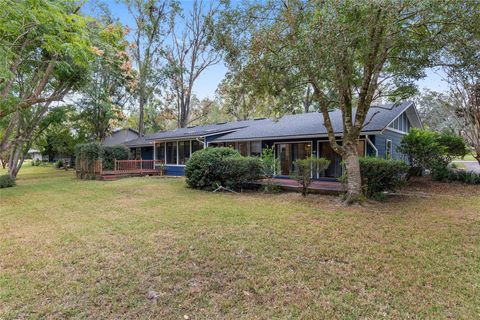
(92, 249)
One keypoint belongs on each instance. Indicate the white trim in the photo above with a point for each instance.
(396, 131)
(367, 139)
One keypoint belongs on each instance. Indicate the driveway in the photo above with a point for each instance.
(469, 165)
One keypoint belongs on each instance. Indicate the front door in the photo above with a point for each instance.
(327, 152)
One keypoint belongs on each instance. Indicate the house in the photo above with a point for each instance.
(120, 136)
(293, 137)
(35, 155)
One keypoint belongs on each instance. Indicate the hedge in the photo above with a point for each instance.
(6, 181)
(212, 167)
(379, 175)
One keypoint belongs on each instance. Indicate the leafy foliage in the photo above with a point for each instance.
(380, 175)
(212, 167)
(6, 181)
(432, 150)
(110, 153)
(307, 169)
(85, 157)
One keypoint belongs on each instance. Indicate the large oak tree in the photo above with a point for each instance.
(350, 52)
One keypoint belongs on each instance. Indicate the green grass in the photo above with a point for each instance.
(91, 249)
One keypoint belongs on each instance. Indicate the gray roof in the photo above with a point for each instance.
(207, 130)
(297, 125)
(139, 142)
(311, 124)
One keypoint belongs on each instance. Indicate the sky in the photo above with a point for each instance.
(206, 85)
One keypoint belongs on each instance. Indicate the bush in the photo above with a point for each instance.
(85, 157)
(270, 165)
(208, 168)
(432, 150)
(451, 174)
(6, 181)
(36, 162)
(110, 153)
(379, 175)
(306, 169)
(59, 164)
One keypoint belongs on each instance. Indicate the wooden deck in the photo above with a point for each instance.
(115, 175)
(317, 186)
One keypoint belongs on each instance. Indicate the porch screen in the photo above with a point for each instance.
(171, 152)
(196, 145)
(183, 151)
(160, 151)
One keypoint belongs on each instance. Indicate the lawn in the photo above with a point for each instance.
(152, 248)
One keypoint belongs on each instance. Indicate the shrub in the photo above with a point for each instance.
(306, 169)
(431, 150)
(85, 157)
(208, 168)
(110, 153)
(6, 181)
(380, 175)
(59, 164)
(36, 162)
(447, 174)
(270, 165)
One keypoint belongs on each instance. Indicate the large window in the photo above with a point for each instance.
(183, 151)
(401, 123)
(160, 151)
(242, 147)
(171, 152)
(256, 148)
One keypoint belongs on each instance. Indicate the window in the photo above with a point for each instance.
(196, 145)
(171, 148)
(160, 151)
(183, 151)
(388, 149)
(138, 153)
(401, 123)
(242, 147)
(256, 148)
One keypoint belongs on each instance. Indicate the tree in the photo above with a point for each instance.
(460, 59)
(45, 52)
(102, 100)
(350, 52)
(190, 53)
(151, 27)
(307, 169)
(434, 110)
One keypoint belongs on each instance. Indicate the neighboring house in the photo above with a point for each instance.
(120, 136)
(293, 137)
(35, 155)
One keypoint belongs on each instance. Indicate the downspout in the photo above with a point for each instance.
(372, 145)
(204, 143)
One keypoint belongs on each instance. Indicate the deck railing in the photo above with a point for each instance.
(130, 166)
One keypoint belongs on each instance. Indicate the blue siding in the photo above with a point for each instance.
(174, 170)
(381, 142)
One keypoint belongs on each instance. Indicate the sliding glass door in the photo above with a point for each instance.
(287, 153)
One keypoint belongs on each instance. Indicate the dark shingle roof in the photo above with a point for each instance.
(139, 142)
(200, 131)
(305, 124)
(311, 124)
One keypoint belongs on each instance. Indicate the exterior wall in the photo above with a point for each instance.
(174, 170)
(380, 142)
(120, 137)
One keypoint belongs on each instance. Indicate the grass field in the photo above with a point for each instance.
(152, 248)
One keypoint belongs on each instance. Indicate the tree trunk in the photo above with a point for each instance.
(354, 178)
(15, 161)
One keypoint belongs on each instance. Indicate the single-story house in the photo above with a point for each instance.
(35, 155)
(120, 136)
(292, 136)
